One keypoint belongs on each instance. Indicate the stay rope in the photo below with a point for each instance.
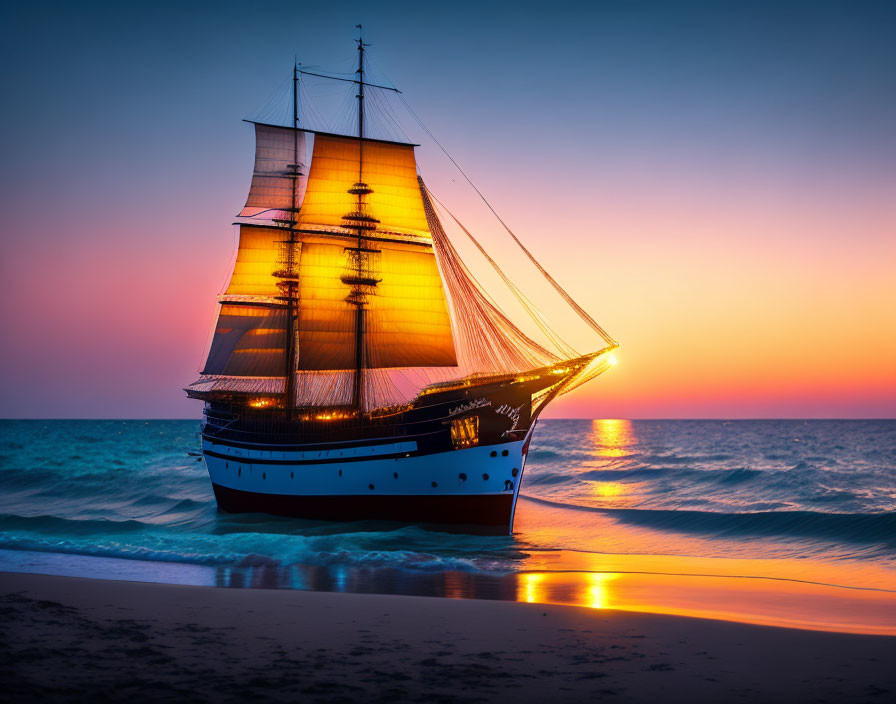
(581, 312)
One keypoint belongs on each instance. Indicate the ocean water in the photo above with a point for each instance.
(754, 495)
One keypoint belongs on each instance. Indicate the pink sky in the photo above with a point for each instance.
(723, 202)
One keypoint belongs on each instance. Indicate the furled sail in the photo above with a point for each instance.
(279, 158)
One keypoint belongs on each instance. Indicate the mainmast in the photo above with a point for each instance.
(359, 314)
(360, 275)
(288, 274)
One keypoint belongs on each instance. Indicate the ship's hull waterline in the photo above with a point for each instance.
(456, 457)
(395, 481)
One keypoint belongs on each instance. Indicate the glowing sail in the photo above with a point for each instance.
(352, 293)
(256, 262)
(390, 171)
(406, 321)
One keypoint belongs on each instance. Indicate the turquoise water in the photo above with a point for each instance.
(748, 489)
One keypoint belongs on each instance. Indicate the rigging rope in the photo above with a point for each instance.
(527, 304)
(582, 313)
(487, 340)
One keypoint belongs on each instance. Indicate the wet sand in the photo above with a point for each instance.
(67, 639)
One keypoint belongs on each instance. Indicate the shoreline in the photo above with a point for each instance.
(68, 638)
(789, 596)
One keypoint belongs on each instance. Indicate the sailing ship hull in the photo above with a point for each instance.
(456, 457)
(396, 481)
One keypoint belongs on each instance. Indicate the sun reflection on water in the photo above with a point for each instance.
(609, 489)
(613, 441)
(612, 437)
(598, 591)
(811, 605)
(529, 587)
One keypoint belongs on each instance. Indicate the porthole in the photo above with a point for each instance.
(434, 485)
(485, 476)
(514, 471)
(292, 475)
(493, 453)
(371, 486)
(340, 472)
(462, 477)
(395, 475)
(504, 453)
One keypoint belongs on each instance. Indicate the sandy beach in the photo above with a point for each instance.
(67, 639)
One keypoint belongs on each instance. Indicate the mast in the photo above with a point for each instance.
(288, 274)
(292, 315)
(359, 315)
(361, 277)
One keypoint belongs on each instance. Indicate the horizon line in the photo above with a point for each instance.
(724, 420)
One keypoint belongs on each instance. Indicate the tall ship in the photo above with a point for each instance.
(358, 368)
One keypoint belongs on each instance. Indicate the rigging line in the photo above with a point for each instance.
(531, 309)
(276, 103)
(379, 75)
(469, 274)
(489, 336)
(524, 300)
(310, 111)
(344, 119)
(384, 110)
(350, 80)
(582, 313)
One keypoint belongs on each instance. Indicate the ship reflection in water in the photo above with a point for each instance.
(361, 580)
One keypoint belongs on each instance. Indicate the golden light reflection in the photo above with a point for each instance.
(791, 593)
(529, 590)
(598, 591)
(609, 489)
(612, 437)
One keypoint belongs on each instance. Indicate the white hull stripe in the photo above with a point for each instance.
(473, 471)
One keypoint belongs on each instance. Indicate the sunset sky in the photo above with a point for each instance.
(714, 182)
